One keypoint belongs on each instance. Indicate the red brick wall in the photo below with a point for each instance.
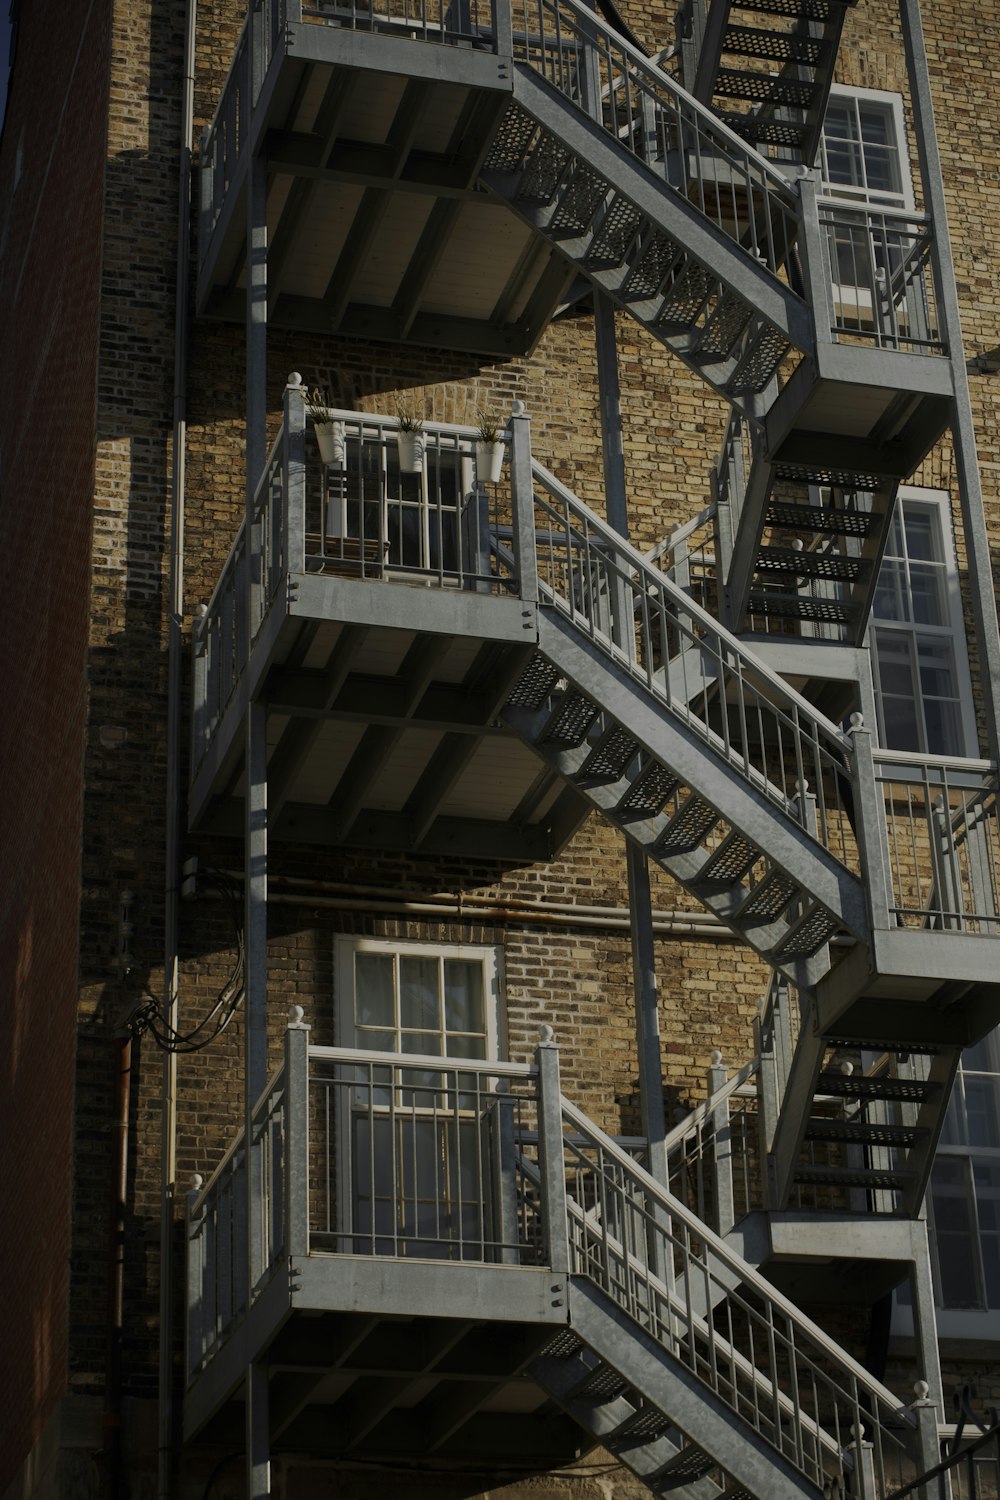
(51, 185)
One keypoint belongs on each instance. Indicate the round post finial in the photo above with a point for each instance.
(295, 1015)
(921, 1390)
(197, 1182)
(294, 380)
(518, 409)
(545, 1034)
(716, 1058)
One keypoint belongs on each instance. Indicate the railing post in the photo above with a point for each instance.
(767, 1079)
(523, 502)
(946, 860)
(199, 683)
(293, 477)
(195, 1275)
(817, 272)
(551, 1156)
(870, 825)
(296, 1182)
(503, 28)
(863, 1473)
(929, 1444)
(722, 1151)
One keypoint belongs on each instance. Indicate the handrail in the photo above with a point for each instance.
(680, 534)
(437, 1062)
(673, 1209)
(204, 1191)
(697, 1117)
(654, 579)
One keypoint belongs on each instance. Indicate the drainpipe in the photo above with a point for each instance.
(175, 624)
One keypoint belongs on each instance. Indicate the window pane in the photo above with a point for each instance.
(373, 1000)
(987, 1180)
(954, 1230)
(418, 993)
(463, 996)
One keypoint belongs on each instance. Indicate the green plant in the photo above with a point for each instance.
(408, 419)
(318, 410)
(490, 426)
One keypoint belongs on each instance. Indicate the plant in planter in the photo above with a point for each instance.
(410, 440)
(331, 434)
(490, 447)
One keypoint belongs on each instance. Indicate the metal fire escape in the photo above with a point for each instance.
(443, 178)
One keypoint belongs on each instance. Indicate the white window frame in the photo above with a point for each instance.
(345, 1031)
(892, 105)
(938, 504)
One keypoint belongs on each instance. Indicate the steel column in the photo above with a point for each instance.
(258, 1440)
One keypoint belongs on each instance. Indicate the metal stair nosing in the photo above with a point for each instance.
(694, 761)
(698, 1412)
(663, 206)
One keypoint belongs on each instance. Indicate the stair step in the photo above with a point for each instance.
(579, 201)
(768, 899)
(820, 474)
(765, 88)
(731, 861)
(687, 827)
(601, 1384)
(572, 720)
(757, 130)
(857, 1086)
(617, 233)
(805, 564)
(758, 365)
(648, 793)
(849, 1177)
(609, 759)
(818, 518)
(796, 607)
(534, 686)
(544, 171)
(657, 256)
(876, 1044)
(686, 295)
(863, 1134)
(808, 935)
(776, 46)
(689, 1465)
(728, 322)
(801, 10)
(644, 1424)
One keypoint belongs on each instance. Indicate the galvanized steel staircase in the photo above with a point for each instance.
(683, 1361)
(733, 784)
(807, 539)
(766, 66)
(658, 203)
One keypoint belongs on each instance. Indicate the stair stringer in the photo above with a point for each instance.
(701, 768)
(664, 1385)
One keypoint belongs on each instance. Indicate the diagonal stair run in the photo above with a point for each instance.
(697, 777)
(766, 67)
(655, 200)
(750, 1400)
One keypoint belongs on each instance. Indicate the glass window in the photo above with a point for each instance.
(965, 1185)
(920, 662)
(862, 154)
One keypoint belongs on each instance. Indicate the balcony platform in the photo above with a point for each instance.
(373, 142)
(355, 1372)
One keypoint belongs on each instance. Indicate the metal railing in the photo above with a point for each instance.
(943, 838)
(222, 1260)
(881, 269)
(448, 21)
(662, 1266)
(416, 1156)
(713, 1161)
(218, 643)
(648, 114)
(704, 676)
(688, 557)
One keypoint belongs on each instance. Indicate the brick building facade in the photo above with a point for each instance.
(95, 826)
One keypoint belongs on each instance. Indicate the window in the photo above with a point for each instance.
(922, 683)
(965, 1186)
(418, 1160)
(862, 152)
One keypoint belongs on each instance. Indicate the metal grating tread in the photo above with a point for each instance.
(658, 254)
(571, 721)
(562, 1346)
(816, 518)
(808, 936)
(846, 479)
(534, 685)
(764, 88)
(776, 46)
(619, 228)
(510, 144)
(809, 564)
(689, 1465)
(795, 607)
(852, 1177)
(754, 128)
(731, 861)
(581, 197)
(544, 171)
(729, 320)
(603, 1384)
(857, 1086)
(863, 1134)
(648, 792)
(642, 1426)
(610, 757)
(767, 348)
(688, 827)
(769, 899)
(803, 10)
(687, 294)
(877, 1044)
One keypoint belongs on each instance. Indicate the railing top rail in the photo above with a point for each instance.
(677, 1210)
(681, 533)
(237, 1141)
(907, 760)
(865, 210)
(356, 1056)
(595, 24)
(781, 691)
(382, 420)
(689, 1125)
(273, 452)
